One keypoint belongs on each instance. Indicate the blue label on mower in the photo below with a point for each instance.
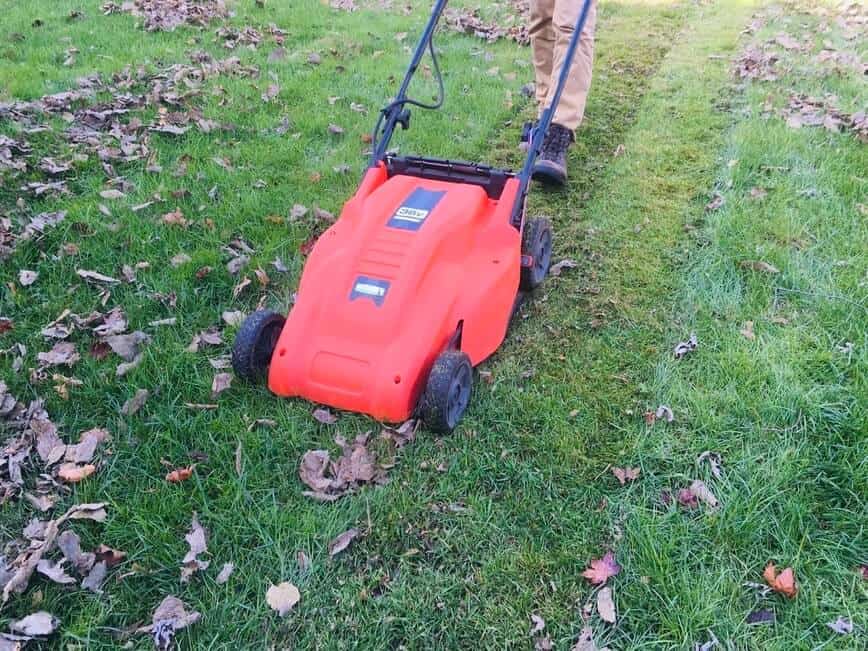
(413, 212)
(372, 288)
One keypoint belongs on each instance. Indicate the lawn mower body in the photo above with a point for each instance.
(411, 267)
(414, 284)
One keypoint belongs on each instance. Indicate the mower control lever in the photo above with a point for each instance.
(404, 119)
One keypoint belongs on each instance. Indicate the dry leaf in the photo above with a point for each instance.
(605, 605)
(94, 580)
(112, 194)
(759, 265)
(747, 332)
(96, 276)
(135, 403)
(556, 268)
(601, 569)
(282, 597)
(626, 474)
(221, 382)
(169, 617)
(196, 538)
(784, 583)
(225, 573)
(39, 623)
(539, 624)
(343, 541)
(54, 571)
(233, 318)
(664, 411)
(62, 354)
(72, 473)
(325, 416)
(704, 494)
(109, 556)
(27, 278)
(179, 474)
(685, 347)
(842, 626)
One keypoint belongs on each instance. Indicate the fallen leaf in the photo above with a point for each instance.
(54, 571)
(221, 382)
(784, 583)
(714, 461)
(601, 569)
(335, 129)
(747, 331)
(626, 474)
(96, 276)
(109, 556)
(112, 194)
(169, 617)
(343, 541)
(179, 474)
(586, 641)
(762, 616)
(225, 573)
(26, 278)
(303, 561)
(94, 580)
(62, 354)
(539, 624)
(127, 346)
(759, 265)
(557, 267)
(70, 546)
(233, 318)
(135, 403)
(196, 538)
(39, 623)
(72, 473)
(605, 605)
(703, 493)
(282, 597)
(325, 416)
(715, 203)
(842, 626)
(664, 411)
(682, 348)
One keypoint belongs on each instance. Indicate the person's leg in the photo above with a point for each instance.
(542, 39)
(551, 166)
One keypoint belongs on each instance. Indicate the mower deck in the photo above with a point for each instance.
(412, 266)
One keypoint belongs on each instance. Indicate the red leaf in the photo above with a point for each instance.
(785, 582)
(180, 474)
(601, 569)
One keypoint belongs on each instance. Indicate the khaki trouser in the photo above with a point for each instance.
(552, 23)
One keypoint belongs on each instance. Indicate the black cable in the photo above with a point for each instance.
(412, 102)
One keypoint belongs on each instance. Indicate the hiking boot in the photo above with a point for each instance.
(551, 166)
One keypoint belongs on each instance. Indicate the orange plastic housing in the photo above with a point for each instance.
(385, 289)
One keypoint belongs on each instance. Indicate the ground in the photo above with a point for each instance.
(695, 207)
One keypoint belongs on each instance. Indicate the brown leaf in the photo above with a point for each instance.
(95, 578)
(135, 403)
(221, 382)
(127, 346)
(704, 494)
(335, 129)
(54, 571)
(175, 218)
(784, 583)
(72, 473)
(759, 265)
(557, 267)
(343, 541)
(62, 354)
(83, 451)
(282, 597)
(324, 416)
(606, 606)
(179, 474)
(225, 573)
(626, 474)
(601, 569)
(108, 555)
(96, 276)
(196, 538)
(747, 331)
(169, 617)
(233, 318)
(39, 623)
(112, 194)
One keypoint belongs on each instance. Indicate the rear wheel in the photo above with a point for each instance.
(254, 344)
(447, 392)
(536, 242)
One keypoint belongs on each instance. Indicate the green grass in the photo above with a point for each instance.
(786, 411)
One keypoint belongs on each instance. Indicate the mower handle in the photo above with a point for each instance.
(396, 113)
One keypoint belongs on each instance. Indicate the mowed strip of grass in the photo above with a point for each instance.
(434, 565)
(785, 407)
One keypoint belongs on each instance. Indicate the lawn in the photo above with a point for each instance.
(696, 207)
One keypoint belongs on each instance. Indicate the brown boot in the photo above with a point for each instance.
(551, 166)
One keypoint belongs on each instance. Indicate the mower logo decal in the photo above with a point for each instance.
(372, 288)
(415, 210)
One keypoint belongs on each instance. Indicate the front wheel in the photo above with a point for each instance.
(536, 242)
(254, 344)
(447, 392)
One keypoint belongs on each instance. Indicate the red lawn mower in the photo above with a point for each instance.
(414, 284)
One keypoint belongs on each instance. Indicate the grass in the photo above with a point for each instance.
(786, 411)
